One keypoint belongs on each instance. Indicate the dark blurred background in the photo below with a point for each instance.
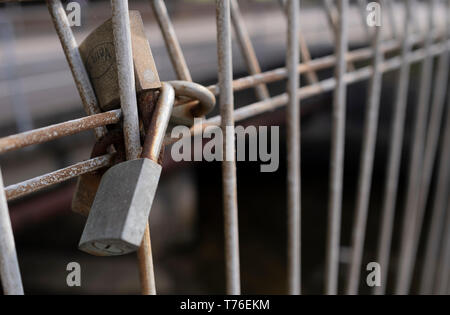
(36, 89)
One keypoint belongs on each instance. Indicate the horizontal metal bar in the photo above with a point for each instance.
(56, 131)
(316, 64)
(327, 85)
(86, 123)
(239, 114)
(32, 185)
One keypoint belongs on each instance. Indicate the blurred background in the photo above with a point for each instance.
(37, 89)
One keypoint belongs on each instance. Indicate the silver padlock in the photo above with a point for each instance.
(117, 220)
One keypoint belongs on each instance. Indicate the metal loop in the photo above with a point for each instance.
(185, 114)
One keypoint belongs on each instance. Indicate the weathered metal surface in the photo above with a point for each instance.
(395, 152)
(203, 102)
(119, 214)
(118, 219)
(247, 50)
(337, 154)
(161, 115)
(366, 166)
(323, 86)
(230, 208)
(99, 56)
(311, 76)
(122, 44)
(32, 185)
(437, 227)
(411, 214)
(53, 132)
(85, 190)
(170, 38)
(293, 149)
(73, 57)
(9, 266)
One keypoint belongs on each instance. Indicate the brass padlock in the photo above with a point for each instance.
(119, 214)
(98, 54)
(99, 58)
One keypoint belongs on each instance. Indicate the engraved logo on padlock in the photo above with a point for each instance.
(98, 54)
(120, 211)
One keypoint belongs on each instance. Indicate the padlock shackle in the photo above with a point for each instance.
(161, 115)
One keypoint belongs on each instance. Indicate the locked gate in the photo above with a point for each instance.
(391, 50)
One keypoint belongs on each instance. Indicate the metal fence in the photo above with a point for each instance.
(385, 55)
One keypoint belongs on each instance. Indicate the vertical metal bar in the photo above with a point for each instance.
(333, 19)
(337, 154)
(311, 75)
(415, 168)
(79, 73)
(395, 152)
(170, 38)
(332, 16)
(443, 272)
(389, 5)
(247, 50)
(224, 53)
(438, 215)
(362, 7)
(122, 44)
(366, 166)
(9, 265)
(293, 149)
(433, 131)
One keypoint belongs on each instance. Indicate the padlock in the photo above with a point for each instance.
(116, 223)
(99, 58)
(88, 183)
(98, 54)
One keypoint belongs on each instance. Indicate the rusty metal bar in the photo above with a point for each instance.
(416, 162)
(337, 154)
(35, 184)
(127, 89)
(73, 57)
(239, 114)
(224, 53)
(9, 265)
(434, 127)
(395, 152)
(170, 38)
(293, 149)
(60, 130)
(443, 272)
(389, 5)
(247, 50)
(362, 7)
(311, 76)
(366, 166)
(316, 64)
(438, 214)
(128, 102)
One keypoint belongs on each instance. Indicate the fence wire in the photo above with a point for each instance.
(384, 55)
